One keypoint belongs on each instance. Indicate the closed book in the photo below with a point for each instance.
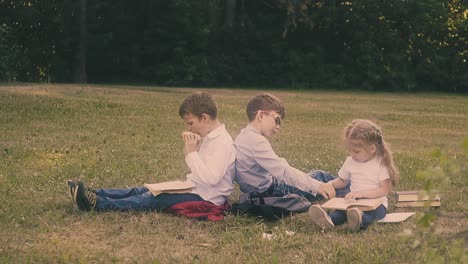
(434, 203)
(408, 196)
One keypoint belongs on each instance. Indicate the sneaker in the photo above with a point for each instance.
(72, 187)
(354, 216)
(320, 217)
(85, 198)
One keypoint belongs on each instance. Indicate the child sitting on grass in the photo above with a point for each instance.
(260, 169)
(209, 153)
(370, 169)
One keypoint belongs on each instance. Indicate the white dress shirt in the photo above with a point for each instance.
(212, 167)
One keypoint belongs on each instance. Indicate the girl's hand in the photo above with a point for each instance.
(353, 196)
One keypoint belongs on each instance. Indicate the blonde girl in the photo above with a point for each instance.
(371, 171)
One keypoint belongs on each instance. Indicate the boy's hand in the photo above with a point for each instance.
(191, 142)
(326, 190)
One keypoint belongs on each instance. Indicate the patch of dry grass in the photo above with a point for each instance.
(126, 136)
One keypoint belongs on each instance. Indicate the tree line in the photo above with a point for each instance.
(390, 45)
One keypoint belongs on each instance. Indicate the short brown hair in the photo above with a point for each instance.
(265, 102)
(199, 103)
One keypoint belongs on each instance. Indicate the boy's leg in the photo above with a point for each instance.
(281, 189)
(166, 200)
(130, 202)
(369, 217)
(120, 193)
(145, 201)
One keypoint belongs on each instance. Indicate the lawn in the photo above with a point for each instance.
(122, 136)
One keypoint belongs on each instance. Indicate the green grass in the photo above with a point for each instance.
(126, 136)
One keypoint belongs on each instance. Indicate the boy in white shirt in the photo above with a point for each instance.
(209, 153)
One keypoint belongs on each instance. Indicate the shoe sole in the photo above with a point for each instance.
(319, 217)
(73, 191)
(354, 220)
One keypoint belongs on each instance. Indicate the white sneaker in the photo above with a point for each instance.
(320, 217)
(354, 216)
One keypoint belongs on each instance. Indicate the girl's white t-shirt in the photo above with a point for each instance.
(364, 175)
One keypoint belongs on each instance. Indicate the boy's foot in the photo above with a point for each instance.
(320, 217)
(85, 198)
(354, 216)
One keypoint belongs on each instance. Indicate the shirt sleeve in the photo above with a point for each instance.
(343, 173)
(383, 175)
(209, 168)
(280, 169)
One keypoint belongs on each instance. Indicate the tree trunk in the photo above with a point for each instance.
(229, 13)
(81, 76)
(213, 12)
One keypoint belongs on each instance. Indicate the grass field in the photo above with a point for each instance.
(126, 136)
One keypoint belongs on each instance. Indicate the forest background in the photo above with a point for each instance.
(390, 45)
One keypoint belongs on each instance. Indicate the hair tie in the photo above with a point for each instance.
(379, 136)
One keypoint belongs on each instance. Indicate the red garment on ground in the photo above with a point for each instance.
(202, 210)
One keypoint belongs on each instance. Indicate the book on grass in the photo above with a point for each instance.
(408, 196)
(362, 204)
(431, 203)
(170, 187)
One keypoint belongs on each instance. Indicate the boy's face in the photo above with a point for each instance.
(195, 124)
(269, 122)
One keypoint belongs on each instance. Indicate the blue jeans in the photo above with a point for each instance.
(368, 217)
(139, 198)
(281, 189)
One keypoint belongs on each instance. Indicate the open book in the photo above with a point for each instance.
(362, 204)
(170, 187)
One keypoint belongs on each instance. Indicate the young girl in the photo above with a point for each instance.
(371, 171)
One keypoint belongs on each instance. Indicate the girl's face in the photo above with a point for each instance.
(360, 151)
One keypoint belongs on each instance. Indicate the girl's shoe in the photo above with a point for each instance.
(320, 217)
(354, 216)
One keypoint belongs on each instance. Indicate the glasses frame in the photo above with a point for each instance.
(277, 118)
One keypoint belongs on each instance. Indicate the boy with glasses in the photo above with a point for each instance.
(259, 169)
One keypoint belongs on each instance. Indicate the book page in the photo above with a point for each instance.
(396, 217)
(343, 204)
(170, 187)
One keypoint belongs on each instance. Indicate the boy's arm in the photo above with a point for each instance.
(281, 170)
(339, 183)
(212, 166)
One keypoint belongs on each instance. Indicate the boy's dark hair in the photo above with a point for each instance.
(265, 102)
(199, 103)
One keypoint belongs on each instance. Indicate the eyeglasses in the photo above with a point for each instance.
(276, 117)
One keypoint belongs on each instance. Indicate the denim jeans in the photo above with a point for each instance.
(281, 189)
(139, 198)
(368, 217)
